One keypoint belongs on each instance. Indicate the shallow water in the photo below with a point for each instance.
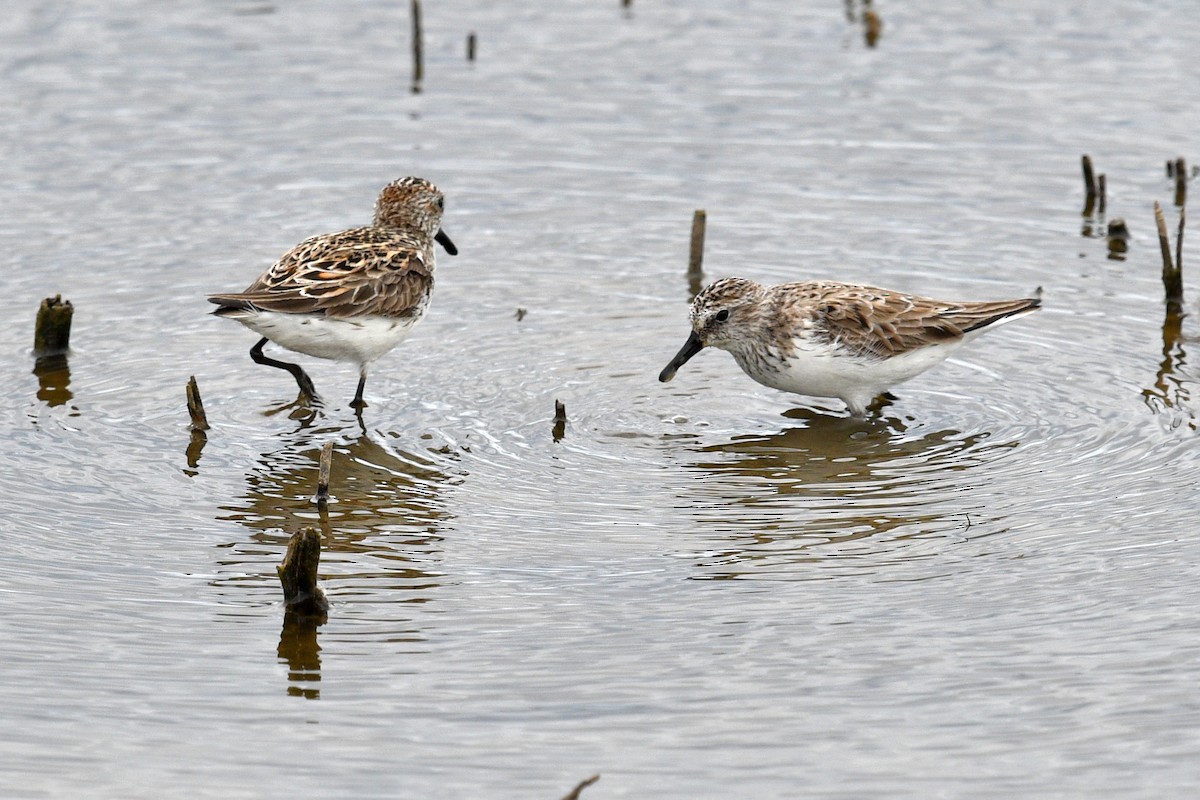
(705, 588)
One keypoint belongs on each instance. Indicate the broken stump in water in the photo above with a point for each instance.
(195, 407)
(298, 574)
(51, 343)
(52, 333)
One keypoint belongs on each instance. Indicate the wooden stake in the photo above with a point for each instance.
(872, 27)
(560, 421)
(1179, 247)
(574, 793)
(52, 331)
(1171, 275)
(51, 344)
(696, 254)
(298, 575)
(695, 273)
(1102, 188)
(1118, 239)
(1181, 180)
(199, 426)
(418, 48)
(471, 46)
(1089, 184)
(322, 496)
(195, 406)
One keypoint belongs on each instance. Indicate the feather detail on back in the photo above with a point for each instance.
(352, 273)
(874, 322)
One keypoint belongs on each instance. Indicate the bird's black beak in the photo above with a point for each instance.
(692, 346)
(445, 242)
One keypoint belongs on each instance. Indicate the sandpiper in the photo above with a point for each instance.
(351, 295)
(827, 339)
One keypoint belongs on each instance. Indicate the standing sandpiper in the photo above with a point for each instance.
(827, 339)
(352, 295)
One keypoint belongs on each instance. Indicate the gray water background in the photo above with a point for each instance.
(707, 588)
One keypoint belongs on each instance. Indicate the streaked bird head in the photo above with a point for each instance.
(416, 205)
(722, 315)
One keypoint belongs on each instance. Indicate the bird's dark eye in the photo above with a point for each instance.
(441, 204)
(722, 315)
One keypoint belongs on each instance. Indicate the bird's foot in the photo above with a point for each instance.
(881, 402)
(308, 393)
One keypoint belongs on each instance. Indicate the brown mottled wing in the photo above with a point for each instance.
(347, 274)
(883, 324)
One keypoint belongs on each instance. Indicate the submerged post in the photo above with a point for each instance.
(560, 421)
(574, 793)
(418, 49)
(471, 46)
(1102, 190)
(322, 496)
(872, 26)
(298, 575)
(1172, 275)
(1118, 239)
(1089, 185)
(1181, 181)
(51, 343)
(52, 331)
(1179, 249)
(695, 273)
(195, 406)
(199, 426)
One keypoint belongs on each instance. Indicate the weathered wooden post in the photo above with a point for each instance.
(52, 332)
(695, 272)
(418, 48)
(560, 421)
(298, 575)
(1172, 274)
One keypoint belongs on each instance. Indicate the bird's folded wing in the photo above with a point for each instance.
(346, 275)
(887, 324)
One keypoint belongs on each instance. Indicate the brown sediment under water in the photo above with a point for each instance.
(704, 588)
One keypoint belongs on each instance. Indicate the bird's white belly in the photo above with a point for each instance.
(359, 339)
(824, 372)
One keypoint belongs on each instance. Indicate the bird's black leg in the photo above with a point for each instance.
(358, 401)
(308, 392)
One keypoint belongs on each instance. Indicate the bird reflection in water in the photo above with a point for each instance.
(831, 489)
(379, 533)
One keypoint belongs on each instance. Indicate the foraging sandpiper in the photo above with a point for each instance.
(827, 339)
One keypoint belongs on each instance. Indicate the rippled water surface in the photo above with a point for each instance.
(705, 588)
